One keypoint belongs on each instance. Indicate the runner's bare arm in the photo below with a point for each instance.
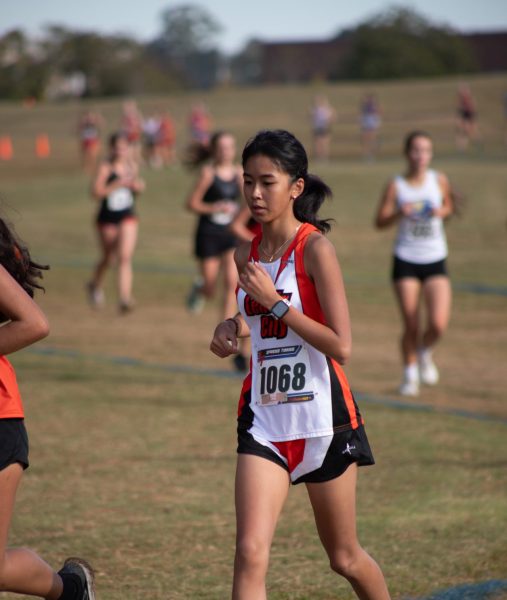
(27, 323)
(225, 337)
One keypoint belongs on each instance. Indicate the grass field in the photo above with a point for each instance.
(133, 463)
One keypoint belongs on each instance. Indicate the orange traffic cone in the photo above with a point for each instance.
(6, 150)
(42, 147)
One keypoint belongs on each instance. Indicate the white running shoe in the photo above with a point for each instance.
(409, 388)
(428, 372)
(96, 296)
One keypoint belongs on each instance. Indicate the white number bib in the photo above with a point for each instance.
(120, 199)
(421, 228)
(225, 217)
(283, 375)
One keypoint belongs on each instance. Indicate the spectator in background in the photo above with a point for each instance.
(89, 127)
(166, 140)
(322, 116)
(467, 130)
(151, 133)
(132, 127)
(370, 124)
(199, 123)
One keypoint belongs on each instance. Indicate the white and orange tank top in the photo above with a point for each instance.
(293, 390)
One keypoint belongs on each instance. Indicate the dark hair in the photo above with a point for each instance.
(198, 153)
(117, 135)
(114, 139)
(287, 152)
(15, 258)
(410, 137)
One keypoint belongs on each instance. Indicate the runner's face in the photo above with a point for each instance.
(268, 190)
(225, 149)
(420, 153)
(121, 148)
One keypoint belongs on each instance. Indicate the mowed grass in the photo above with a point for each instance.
(133, 465)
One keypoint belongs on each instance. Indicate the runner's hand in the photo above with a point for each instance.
(257, 283)
(224, 342)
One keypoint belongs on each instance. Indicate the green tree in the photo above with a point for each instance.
(23, 72)
(401, 43)
(112, 65)
(187, 43)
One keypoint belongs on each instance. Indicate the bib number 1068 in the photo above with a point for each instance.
(282, 378)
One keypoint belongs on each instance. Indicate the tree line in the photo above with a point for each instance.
(186, 54)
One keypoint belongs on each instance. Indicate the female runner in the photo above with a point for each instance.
(22, 571)
(419, 201)
(216, 198)
(116, 186)
(298, 421)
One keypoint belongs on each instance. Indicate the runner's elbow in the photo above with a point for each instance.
(342, 353)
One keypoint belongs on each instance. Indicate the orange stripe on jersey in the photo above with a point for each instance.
(347, 395)
(312, 308)
(307, 291)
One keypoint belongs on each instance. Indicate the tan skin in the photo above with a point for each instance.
(224, 166)
(435, 291)
(117, 241)
(261, 485)
(21, 570)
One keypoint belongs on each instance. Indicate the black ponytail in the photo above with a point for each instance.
(16, 260)
(198, 153)
(287, 152)
(306, 207)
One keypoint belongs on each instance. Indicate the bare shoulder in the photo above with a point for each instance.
(443, 180)
(319, 246)
(320, 255)
(105, 167)
(206, 174)
(241, 255)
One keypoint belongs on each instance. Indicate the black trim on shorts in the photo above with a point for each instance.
(13, 443)
(347, 447)
(402, 269)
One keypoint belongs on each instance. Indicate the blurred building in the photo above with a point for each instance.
(306, 61)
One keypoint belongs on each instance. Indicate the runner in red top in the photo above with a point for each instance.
(21, 570)
(297, 420)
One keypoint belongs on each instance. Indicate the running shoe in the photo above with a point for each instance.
(409, 388)
(195, 298)
(79, 567)
(427, 369)
(96, 296)
(125, 307)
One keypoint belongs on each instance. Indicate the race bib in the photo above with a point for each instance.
(421, 228)
(421, 223)
(120, 199)
(283, 375)
(225, 217)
